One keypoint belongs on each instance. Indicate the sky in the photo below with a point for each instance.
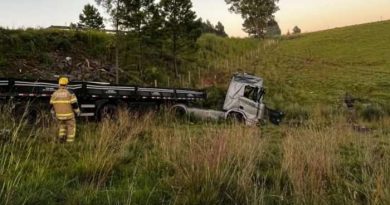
(309, 15)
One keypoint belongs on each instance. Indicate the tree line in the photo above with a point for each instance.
(166, 32)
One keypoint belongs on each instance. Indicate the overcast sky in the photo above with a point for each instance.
(309, 15)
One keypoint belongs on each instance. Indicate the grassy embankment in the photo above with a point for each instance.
(319, 68)
(39, 54)
(316, 158)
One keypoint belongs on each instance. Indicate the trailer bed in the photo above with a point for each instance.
(95, 98)
(11, 88)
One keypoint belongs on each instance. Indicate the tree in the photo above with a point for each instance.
(296, 30)
(137, 16)
(91, 18)
(207, 27)
(220, 30)
(113, 8)
(272, 29)
(181, 27)
(256, 14)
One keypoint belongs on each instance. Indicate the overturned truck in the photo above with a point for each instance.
(243, 103)
(244, 99)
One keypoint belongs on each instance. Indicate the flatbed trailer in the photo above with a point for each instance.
(95, 98)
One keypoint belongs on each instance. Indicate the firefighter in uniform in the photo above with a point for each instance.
(65, 106)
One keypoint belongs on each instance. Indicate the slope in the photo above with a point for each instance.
(321, 67)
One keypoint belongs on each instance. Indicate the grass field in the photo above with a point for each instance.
(320, 67)
(156, 159)
(315, 157)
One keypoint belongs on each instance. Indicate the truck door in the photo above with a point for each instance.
(249, 102)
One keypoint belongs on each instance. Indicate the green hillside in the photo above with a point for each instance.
(320, 67)
(308, 68)
(314, 157)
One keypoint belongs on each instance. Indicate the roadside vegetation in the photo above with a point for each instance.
(315, 157)
(157, 159)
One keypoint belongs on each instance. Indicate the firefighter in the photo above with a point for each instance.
(65, 106)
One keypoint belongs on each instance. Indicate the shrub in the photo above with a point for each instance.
(215, 98)
(63, 45)
(372, 112)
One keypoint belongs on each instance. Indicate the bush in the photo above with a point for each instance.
(215, 98)
(372, 112)
(64, 45)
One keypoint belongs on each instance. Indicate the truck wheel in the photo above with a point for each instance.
(179, 111)
(235, 117)
(32, 115)
(108, 111)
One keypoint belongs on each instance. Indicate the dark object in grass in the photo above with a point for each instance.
(275, 116)
(361, 129)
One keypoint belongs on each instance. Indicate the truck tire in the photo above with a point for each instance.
(108, 111)
(179, 110)
(32, 115)
(235, 117)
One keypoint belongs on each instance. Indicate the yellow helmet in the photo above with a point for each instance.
(63, 81)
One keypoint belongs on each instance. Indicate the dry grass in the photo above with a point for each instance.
(105, 145)
(334, 163)
(211, 164)
(148, 160)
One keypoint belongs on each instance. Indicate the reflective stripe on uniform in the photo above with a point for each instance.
(62, 133)
(65, 115)
(61, 102)
(73, 100)
(64, 118)
(62, 130)
(70, 138)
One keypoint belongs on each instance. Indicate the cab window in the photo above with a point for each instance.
(251, 93)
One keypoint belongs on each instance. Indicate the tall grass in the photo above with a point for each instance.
(131, 160)
(216, 168)
(156, 159)
(336, 165)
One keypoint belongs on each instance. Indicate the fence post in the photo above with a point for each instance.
(199, 78)
(189, 78)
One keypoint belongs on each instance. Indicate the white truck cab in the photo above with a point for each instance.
(244, 99)
(243, 102)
